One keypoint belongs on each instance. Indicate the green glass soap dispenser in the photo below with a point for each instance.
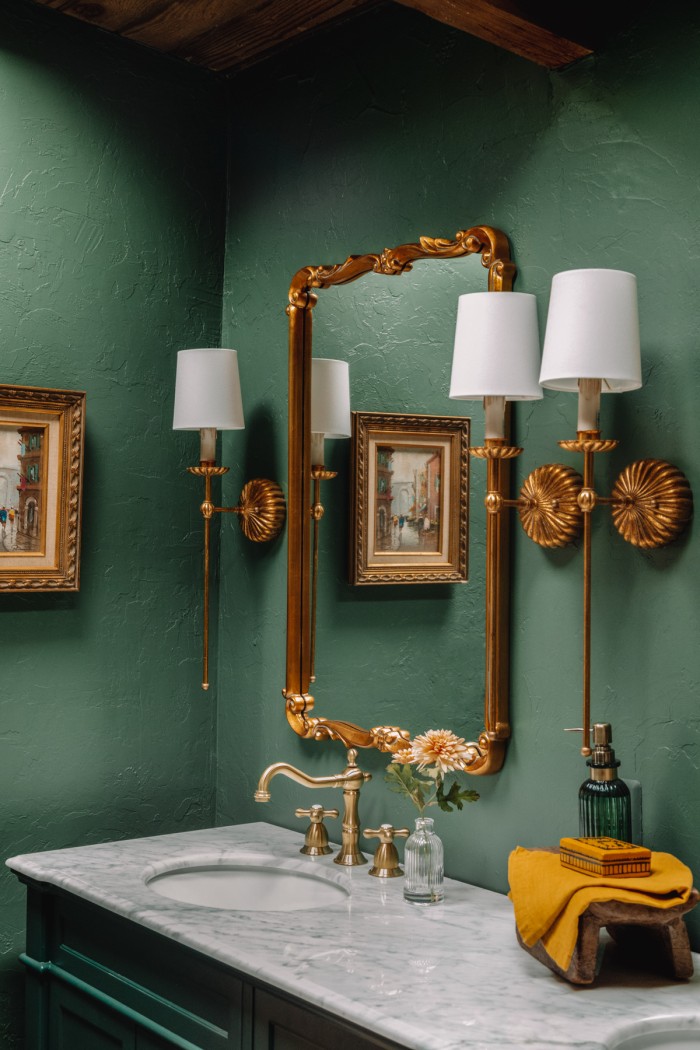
(604, 799)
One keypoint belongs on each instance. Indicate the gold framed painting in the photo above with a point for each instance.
(410, 509)
(41, 460)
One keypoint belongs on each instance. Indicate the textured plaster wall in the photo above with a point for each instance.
(111, 249)
(377, 132)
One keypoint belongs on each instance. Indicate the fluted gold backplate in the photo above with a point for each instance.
(651, 503)
(548, 507)
(261, 510)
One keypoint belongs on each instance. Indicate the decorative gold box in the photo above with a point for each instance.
(605, 856)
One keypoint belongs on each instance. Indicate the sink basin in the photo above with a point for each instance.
(246, 884)
(659, 1033)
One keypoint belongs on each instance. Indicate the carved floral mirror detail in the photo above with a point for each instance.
(488, 752)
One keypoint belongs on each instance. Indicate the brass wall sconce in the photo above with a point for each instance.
(591, 346)
(207, 399)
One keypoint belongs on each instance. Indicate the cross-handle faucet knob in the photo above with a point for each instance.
(316, 837)
(386, 857)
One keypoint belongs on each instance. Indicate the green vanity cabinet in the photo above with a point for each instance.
(78, 1021)
(97, 981)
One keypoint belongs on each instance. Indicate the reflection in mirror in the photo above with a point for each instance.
(330, 419)
(429, 647)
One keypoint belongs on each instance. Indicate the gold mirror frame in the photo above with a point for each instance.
(489, 752)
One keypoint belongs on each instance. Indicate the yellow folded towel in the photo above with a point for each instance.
(548, 898)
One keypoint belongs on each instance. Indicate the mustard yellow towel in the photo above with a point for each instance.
(548, 898)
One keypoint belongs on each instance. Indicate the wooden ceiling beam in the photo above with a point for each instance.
(226, 35)
(261, 28)
(108, 14)
(517, 27)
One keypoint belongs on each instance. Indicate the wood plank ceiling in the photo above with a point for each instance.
(228, 35)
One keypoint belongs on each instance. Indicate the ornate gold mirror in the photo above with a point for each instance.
(492, 246)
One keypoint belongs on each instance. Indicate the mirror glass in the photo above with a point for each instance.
(401, 654)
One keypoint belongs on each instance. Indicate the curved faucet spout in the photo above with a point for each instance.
(333, 780)
(350, 780)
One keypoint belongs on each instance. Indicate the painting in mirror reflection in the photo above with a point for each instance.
(408, 510)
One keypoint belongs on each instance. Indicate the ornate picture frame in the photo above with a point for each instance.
(410, 498)
(41, 461)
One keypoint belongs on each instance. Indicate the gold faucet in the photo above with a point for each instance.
(350, 780)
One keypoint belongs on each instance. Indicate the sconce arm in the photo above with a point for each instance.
(261, 511)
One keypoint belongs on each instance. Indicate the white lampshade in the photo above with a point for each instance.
(330, 398)
(592, 331)
(497, 347)
(208, 390)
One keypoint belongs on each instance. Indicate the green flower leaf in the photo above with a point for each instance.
(456, 796)
(402, 780)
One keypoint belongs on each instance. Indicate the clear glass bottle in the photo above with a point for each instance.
(423, 865)
(604, 799)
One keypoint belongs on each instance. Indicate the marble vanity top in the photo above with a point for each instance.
(438, 978)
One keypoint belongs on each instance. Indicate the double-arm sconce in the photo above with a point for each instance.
(207, 399)
(591, 346)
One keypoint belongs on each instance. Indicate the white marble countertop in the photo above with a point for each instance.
(437, 978)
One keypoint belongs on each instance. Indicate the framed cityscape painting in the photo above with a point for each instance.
(41, 459)
(410, 499)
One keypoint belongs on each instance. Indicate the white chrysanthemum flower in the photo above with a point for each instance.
(441, 748)
(404, 757)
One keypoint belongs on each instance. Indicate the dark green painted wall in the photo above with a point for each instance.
(111, 219)
(112, 255)
(377, 132)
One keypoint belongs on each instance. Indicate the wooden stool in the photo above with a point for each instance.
(656, 935)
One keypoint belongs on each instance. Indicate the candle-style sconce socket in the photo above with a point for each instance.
(207, 399)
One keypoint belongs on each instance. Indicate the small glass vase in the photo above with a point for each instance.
(423, 865)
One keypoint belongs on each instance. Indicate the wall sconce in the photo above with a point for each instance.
(330, 418)
(592, 347)
(207, 399)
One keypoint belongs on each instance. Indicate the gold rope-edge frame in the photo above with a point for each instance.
(70, 406)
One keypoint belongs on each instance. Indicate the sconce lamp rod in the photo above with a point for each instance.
(261, 513)
(318, 474)
(586, 504)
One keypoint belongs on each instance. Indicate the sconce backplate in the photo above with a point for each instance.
(548, 505)
(651, 503)
(261, 510)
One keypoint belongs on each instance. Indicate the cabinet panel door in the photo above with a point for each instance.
(75, 1021)
(149, 1041)
(282, 1025)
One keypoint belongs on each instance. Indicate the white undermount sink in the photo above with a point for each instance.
(681, 1032)
(246, 883)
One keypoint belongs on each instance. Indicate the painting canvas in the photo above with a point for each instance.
(410, 489)
(408, 500)
(23, 475)
(41, 450)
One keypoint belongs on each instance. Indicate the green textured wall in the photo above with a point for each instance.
(112, 254)
(376, 132)
(111, 218)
